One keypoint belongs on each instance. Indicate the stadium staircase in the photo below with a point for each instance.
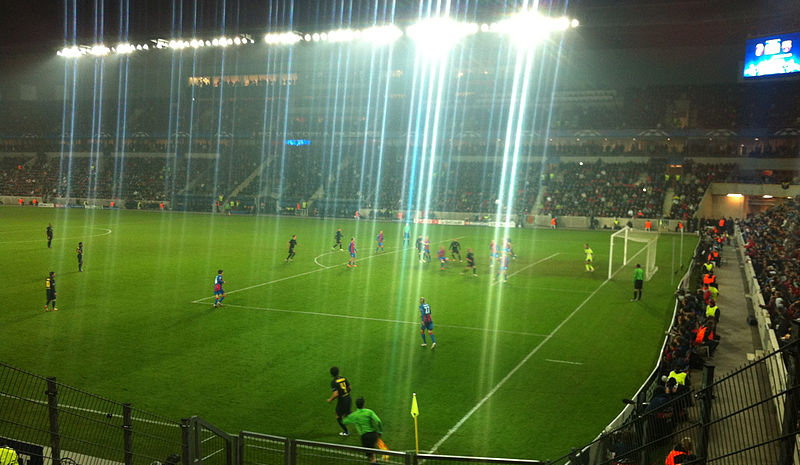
(249, 179)
(667, 208)
(194, 182)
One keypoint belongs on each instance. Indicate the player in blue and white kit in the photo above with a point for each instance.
(379, 240)
(219, 292)
(427, 323)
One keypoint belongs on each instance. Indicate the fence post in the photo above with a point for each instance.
(186, 443)
(706, 397)
(290, 453)
(789, 427)
(232, 451)
(127, 433)
(240, 449)
(52, 407)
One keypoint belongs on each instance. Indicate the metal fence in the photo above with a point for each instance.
(51, 423)
(729, 420)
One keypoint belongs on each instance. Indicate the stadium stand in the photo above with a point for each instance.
(771, 243)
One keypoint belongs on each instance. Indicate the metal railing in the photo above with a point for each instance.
(57, 424)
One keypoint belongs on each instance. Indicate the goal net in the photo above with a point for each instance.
(631, 246)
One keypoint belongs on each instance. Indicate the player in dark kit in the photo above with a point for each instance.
(50, 291)
(79, 253)
(49, 232)
(338, 238)
(341, 392)
(292, 245)
(471, 263)
(455, 249)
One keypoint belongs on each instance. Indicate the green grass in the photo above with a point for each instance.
(130, 327)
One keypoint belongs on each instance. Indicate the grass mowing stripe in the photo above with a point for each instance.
(385, 320)
(285, 278)
(519, 365)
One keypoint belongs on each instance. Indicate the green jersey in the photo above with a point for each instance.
(638, 274)
(365, 421)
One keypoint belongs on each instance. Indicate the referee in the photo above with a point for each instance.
(368, 425)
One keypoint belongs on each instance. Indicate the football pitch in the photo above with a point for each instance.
(525, 369)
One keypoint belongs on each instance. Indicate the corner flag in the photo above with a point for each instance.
(415, 414)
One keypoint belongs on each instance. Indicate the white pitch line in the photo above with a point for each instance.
(106, 233)
(285, 278)
(385, 320)
(519, 365)
(530, 265)
(322, 255)
(87, 410)
(563, 361)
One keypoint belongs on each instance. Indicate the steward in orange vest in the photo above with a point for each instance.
(681, 453)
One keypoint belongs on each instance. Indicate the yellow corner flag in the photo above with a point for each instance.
(415, 414)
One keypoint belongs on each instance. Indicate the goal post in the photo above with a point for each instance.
(628, 244)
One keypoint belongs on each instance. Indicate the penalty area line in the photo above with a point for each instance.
(563, 361)
(367, 318)
(522, 362)
(530, 265)
(511, 373)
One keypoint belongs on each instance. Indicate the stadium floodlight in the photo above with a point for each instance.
(529, 27)
(574, 23)
(315, 37)
(381, 35)
(70, 52)
(438, 35)
(237, 41)
(307, 37)
(340, 35)
(125, 48)
(282, 38)
(99, 50)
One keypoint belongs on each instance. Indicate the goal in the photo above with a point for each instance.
(628, 245)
